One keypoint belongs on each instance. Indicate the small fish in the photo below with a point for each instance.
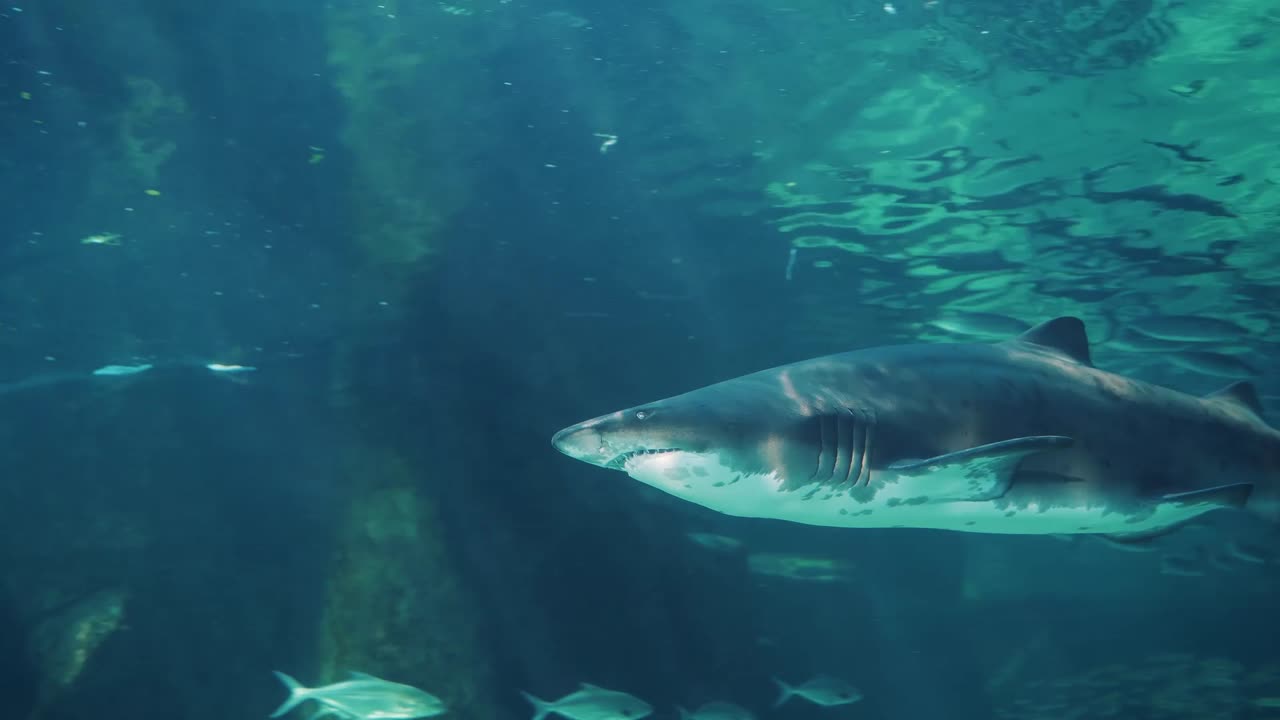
(1221, 561)
(1248, 552)
(712, 541)
(118, 370)
(798, 567)
(229, 369)
(363, 696)
(1181, 565)
(1215, 364)
(325, 711)
(822, 690)
(977, 324)
(591, 702)
(1119, 544)
(609, 141)
(716, 710)
(1132, 341)
(1188, 328)
(101, 239)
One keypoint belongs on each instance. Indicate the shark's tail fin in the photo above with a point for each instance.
(297, 694)
(684, 714)
(785, 692)
(541, 708)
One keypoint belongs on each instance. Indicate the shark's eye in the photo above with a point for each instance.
(643, 414)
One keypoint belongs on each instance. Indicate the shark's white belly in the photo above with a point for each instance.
(703, 480)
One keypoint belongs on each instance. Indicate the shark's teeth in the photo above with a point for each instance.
(622, 460)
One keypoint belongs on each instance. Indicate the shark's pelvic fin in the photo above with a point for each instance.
(1234, 495)
(1241, 393)
(1064, 335)
(978, 473)
(1139, 539)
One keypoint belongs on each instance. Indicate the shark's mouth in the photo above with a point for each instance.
(620, 462)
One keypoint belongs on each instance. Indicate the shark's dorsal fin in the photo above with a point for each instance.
(1242, 394)
(589, 686)
(1064, 335)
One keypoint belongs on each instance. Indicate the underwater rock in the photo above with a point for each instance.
(65, 642)
(395, 606)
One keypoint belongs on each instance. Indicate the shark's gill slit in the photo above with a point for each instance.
(848, 428)
(856, 449)
(864, 451)
(827, 448)
(816, 424)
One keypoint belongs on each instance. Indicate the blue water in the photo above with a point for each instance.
(416, 239)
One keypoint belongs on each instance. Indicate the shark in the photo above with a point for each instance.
(1024, 436)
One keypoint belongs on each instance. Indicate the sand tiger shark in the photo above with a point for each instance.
(1023, 436)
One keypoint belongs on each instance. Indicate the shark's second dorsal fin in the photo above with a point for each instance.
(1064, 335)
(1242, 394)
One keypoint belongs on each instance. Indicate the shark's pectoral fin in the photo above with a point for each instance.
(978, 473)
(1235, 495)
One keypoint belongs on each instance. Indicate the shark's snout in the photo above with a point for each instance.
(582, 442)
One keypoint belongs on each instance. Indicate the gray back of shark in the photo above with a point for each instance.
(1023, 437)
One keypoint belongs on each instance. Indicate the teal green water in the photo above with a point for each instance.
(294, 294)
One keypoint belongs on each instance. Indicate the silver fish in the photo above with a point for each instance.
(712, 541)
(1215, 364)
(591, 702)
(1188, 328)
(1249, 552)
(1181, 565)
(821, 690)
(799, 567)
(363, 696)
(119, 370)
(982, 325)
(1132, 341)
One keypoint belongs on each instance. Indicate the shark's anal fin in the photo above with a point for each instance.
(978, 473)
(1064, 335)
(1234, 496)
(1137, 540)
